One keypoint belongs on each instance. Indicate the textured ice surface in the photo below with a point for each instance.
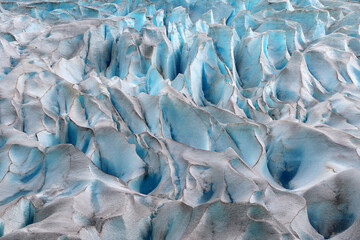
(172, 119)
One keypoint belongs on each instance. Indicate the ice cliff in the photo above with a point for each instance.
(180, 119)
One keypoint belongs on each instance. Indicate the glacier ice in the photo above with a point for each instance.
(169, 119)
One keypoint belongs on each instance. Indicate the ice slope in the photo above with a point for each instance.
(171, 119)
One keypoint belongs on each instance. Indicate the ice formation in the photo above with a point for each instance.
(173, 119)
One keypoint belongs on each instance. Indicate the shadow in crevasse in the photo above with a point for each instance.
(339, 221)
(283, 164)
(333, 205)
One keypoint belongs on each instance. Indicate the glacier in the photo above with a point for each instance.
(180, 119)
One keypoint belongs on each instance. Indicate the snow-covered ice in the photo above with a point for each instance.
(173, 119)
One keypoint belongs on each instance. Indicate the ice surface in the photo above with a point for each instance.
(171, 119)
